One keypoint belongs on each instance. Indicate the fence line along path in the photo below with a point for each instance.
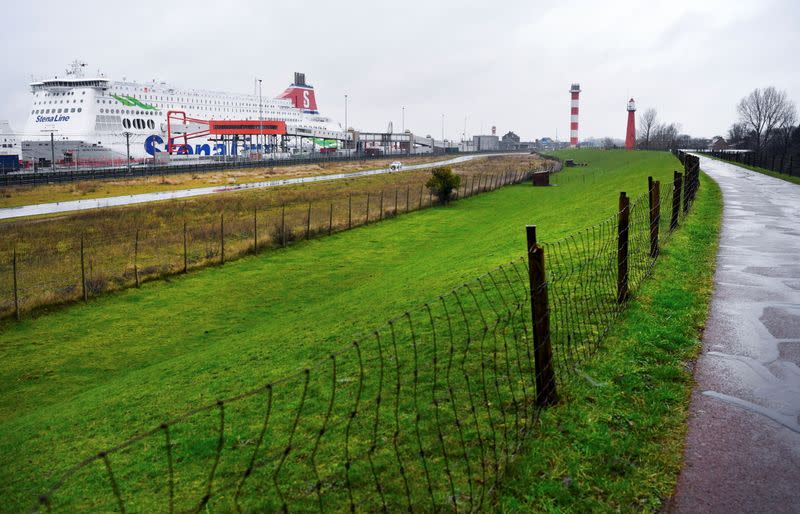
(38, 272)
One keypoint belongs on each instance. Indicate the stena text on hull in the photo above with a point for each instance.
(98, 120)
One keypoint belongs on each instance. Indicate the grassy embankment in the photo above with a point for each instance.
(615, 444)
(49, 250)
(13, 196)
(87, 376)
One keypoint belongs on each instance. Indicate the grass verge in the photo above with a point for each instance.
(615, 442)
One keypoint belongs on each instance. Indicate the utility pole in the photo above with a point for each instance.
(346, 142)
(403, 123)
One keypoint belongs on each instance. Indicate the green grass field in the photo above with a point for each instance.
(85, 377)
(616, 443)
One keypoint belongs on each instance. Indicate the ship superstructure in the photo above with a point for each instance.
(94, 119)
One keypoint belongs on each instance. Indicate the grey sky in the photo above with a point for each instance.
(508, 64)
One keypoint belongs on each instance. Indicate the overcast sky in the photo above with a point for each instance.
(506, 63)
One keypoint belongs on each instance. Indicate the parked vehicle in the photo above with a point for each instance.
(396, 166)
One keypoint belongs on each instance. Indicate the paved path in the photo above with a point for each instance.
(114, 201)
(743, 447)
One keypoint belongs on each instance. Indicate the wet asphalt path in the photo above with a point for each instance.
(743, 447)
(115, 201)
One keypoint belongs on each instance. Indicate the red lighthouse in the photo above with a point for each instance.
(630, 136)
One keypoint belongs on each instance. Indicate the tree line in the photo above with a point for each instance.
(767, 124)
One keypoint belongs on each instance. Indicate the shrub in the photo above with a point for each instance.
(442, 183)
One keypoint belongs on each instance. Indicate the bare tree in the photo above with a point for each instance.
(761, 112)
(737, 134)
(785, 128)
(648, 121)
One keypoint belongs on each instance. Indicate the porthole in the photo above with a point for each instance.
(151, 124)
(126, 123)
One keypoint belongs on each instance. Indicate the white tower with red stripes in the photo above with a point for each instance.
(574, 92)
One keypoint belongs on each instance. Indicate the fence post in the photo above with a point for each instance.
(676, 201)
(308, 222)
(687, 187)
(283, 225)
(330, 221)
(366, 220)
(421, 190)
(350, 211)
(540, 318)
(381, 213)
(655, 214)
(83, 273)
(255, 230)
(222, 238)
(136, 258)
(622, 247)
(395, 201)
(185, 252)
(16, 291)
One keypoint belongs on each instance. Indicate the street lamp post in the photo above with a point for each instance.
(442, 131)
(260, 121)
(403, 125)
(346, 133)
(128, 146)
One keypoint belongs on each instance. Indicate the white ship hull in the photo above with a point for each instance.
(93, 120)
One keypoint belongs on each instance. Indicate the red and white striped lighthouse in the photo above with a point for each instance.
(575, 92)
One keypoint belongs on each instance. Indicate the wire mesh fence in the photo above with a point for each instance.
(425, 413)
(38, 272)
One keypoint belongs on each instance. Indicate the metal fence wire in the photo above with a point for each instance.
(425, 413)
(37, 271)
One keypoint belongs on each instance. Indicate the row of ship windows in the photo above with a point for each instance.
(56, 102)
(123, 111)
(138, 123)
(67, 93)
(54, 111)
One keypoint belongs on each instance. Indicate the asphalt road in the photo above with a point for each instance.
(115, 201)
(743, 446)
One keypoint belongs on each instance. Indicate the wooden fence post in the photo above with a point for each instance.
(83, 274)
(136, 258)
(185, 250)
(308, 222)
(16, 291)
(381, 213)
(687, 189)
(421, 190)
(350, 211)
(676, 201)
(330, 221)
(540, 318)
(222, 238)
(255, 230)
(622, 247)
(366, 222)
(655, 214)
(283, 225)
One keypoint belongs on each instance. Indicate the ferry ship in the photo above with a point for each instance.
(100, 121)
